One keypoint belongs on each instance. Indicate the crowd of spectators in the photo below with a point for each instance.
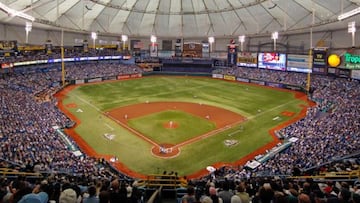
(27, 136)
(28, 141)
(272, 190)
(56, 54)
(330, 129)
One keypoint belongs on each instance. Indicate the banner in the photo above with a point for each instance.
(292, 87)
(247, 59)
(355, 74)
(229, 77)
(95, 80)
(153, 50)
(178, 51)
(243, 80)
(232, 52)
(219, 76)
(8, 47)
(205, 50)
(86, 46)
(138, 75)
(319, 60)
(271, 84)
(79, 82)
(352, 61)
(48, 47)
(7, 65)
(299, 63)
(121, 77)
(345, 73)
(259, 82)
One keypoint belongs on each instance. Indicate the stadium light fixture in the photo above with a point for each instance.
(211, 40)
(94, 37)
(153, 40)
(241, 40)
(275, 36)
(352, 30)
(124, 38)
(349, 14)
(28, 28)
(13, 12)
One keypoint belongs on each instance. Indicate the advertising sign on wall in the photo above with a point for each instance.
(352, 61)
(247, 59)
(355, 74)
(319, 60)
(299, 63)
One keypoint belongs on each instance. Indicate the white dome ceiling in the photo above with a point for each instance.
(183, 18)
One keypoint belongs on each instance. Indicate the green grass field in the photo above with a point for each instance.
(189, 126)
(258, 104)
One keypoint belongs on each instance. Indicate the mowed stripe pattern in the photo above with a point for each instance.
(221, 117)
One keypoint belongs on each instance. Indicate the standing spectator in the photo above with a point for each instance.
(190, 196)
(225, 194)
(92, 196)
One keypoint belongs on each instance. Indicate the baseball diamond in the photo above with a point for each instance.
(137, 112)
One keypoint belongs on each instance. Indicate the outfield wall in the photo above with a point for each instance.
(215, 76)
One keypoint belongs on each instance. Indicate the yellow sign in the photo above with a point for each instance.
(229, 77)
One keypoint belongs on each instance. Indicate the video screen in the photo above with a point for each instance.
(271, 60)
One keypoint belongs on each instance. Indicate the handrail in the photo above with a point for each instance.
(154, 195)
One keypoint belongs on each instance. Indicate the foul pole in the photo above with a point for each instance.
(62, 59)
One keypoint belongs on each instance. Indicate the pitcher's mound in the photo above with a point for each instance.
(171, 125)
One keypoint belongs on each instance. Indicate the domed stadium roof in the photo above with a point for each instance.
(182, 18)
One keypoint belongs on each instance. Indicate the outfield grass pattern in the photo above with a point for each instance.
(188, 127)
(261, 106)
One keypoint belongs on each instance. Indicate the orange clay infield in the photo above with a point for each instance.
(222, 118)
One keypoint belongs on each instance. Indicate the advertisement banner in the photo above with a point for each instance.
(48, 47)
(247, 59)
(292, 87)
(243, 80)
(299, 63)
(178, 51)
(109, 78)
(138, 75)
(345, 73)
(205, 49)
(259, 82)
(153, 50)
(355, 74)
(8, 46)
(319, 70)
(319, 61)
(79, 82)
(7, 65)
(220, 76)
(229, 77)
(94, 80)
(332, 71)
(121, 77)
(271, 84)
(352, 61)
(86, 46)
(232, 54)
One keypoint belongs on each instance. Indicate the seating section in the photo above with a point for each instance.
(29, 143)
